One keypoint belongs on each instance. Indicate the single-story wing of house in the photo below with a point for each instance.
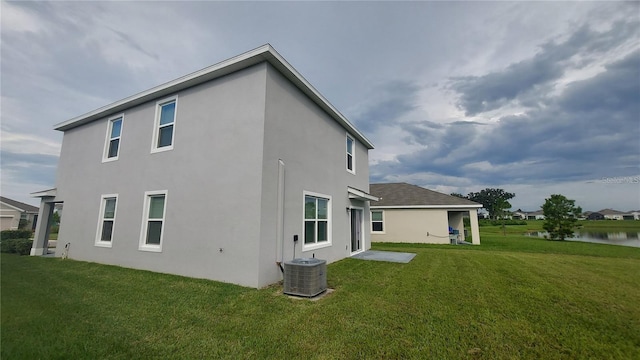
(412, 214)
(12, 211)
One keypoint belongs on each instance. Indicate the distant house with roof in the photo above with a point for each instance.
(593, 215)
(632, 215)
(12, 211)
(519, 215)
(535, 215)
(611, 214)
(413, 214)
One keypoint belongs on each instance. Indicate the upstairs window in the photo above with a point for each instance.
(164, 124)
(351, 165)
(106, 220)
(112, 144)
(317, 219)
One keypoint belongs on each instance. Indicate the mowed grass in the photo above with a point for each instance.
(511, 298)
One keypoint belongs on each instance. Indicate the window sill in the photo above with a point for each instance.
(162, 149)
(311, 247)
(150, 248)
(105, 160)
(104, 244)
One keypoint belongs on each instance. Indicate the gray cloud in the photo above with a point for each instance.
(479, 94)
(391, 101)
(34, 169)
(590, 131)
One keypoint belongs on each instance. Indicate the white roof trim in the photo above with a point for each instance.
(12, 206)
(360, 195)
(45, 193)
(263, 53)
(427, 207)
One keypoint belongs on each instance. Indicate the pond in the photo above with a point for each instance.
(611, 238)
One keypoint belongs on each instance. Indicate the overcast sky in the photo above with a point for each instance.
(536, 98)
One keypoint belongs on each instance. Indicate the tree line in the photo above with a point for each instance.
(561, 213)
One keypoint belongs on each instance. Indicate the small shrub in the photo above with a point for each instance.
(16, 246)
(499, 222)
(7, 246)
(16, 234)
(23, 224)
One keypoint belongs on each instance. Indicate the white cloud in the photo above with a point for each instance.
(17, 19)
(29, 144)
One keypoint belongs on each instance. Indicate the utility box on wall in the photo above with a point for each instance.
(305, 277)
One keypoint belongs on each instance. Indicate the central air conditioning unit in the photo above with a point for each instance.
(305, 277)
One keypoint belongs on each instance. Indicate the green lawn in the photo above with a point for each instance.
(511, 298)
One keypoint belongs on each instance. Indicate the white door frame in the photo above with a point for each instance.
(362, 234)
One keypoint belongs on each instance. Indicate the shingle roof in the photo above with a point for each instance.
(19, 205)
(403, 194)
(610, 212)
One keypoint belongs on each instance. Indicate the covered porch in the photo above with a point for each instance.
(43, 227)
(455, 219)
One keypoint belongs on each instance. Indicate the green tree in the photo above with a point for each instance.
(560, 216)
(495, 201)
(458, 195)
(55, 218)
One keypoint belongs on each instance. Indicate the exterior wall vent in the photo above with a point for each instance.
(305, 277)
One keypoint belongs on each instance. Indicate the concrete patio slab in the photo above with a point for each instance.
(389, 256)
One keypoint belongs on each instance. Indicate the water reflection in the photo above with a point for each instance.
(612, 238)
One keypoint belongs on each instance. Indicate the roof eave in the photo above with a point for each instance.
(242, 61)
(360, 195)
(45, 193)
(426, 206)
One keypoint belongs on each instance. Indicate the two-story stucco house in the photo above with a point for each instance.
(221, 174)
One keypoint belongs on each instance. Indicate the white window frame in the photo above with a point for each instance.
(384, 227)
(108, 138)
(101, 219)
(143, 246)
(352, 154)
(323, 244)
(157, 127)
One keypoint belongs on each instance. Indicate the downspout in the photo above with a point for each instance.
(280, 217)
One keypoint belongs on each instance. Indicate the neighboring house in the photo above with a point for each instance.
(535, 215)
(412, 214)
(12, 211)
(594, 215)
(611, 214)
(632, 215)
(222, 174)
(519, 215)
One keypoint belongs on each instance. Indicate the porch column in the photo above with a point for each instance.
(41, 236)
(475, 230)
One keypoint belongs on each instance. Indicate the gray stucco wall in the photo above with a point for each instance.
(312, 146)
(221, 178)
(213, 179)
